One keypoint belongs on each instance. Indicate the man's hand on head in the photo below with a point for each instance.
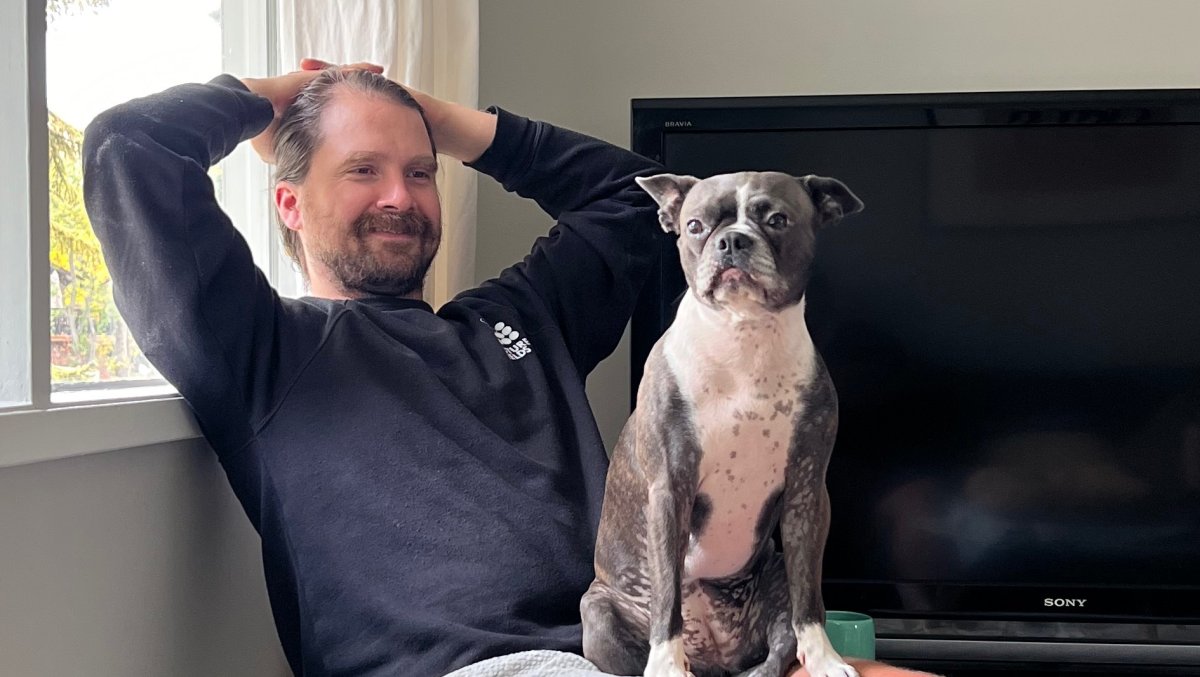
(282, 90)
(430, 105)
(460, 132)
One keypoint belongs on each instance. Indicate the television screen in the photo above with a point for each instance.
(1013, 328)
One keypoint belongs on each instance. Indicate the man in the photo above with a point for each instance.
(426, 485)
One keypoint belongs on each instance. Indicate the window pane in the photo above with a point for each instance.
(100, 53)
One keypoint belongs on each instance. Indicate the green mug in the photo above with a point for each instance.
(852, 634)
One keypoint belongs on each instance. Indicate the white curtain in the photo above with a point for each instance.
(430, 45)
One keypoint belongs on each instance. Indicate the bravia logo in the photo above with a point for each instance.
(1063, 602)
(677, 123)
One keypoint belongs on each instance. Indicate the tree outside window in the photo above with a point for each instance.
(149, 44)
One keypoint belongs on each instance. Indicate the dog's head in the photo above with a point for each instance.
(746, 240)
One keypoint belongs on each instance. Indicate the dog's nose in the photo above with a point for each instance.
(733, 242)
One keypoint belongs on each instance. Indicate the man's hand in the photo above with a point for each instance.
(870, 669)
(460, 132)
(281, 91)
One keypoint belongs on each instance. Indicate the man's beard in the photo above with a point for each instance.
(359, 269)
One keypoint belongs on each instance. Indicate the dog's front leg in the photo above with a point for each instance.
(667, 454)
(804, 526)
(665, 550)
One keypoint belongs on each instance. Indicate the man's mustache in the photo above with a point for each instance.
(411, 222)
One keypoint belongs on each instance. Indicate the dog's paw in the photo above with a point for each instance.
(830, 665)
(668, 660)
(670, 672)
(818, 656)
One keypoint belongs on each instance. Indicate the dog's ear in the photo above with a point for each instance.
(668, 190)
(831, 197)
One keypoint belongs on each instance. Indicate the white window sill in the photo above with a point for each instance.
(112, 392)
(32, 436)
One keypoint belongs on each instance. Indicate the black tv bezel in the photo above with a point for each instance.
(1150, 625)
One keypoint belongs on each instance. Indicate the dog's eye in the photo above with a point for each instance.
(694, 227)
(777, 220)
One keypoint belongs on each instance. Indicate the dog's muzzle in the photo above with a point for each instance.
(736, 258)
(735, 249)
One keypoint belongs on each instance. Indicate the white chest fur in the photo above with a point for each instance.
(742, 376)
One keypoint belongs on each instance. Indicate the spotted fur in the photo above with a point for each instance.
(730, 438)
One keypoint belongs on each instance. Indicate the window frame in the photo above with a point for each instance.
(33, 426)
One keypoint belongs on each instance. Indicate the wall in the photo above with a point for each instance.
(579, 62)
(133, 562)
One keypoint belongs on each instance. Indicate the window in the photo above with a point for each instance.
(146, 46)
(62, 62)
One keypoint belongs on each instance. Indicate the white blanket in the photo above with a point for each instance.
(532, 664)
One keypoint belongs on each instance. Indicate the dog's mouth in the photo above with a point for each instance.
(731, 275)
(730, 283)
(729, 279)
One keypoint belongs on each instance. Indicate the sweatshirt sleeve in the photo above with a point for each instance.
(590, 268)
(183, 277)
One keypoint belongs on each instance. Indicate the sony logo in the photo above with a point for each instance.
(1063, 602)
(677, 123)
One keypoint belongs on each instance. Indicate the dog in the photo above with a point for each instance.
(730, 438)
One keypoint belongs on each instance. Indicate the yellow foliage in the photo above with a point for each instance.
(71, 238)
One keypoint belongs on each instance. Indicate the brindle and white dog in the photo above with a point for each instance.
(732, 433)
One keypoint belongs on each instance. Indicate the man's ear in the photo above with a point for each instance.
(831, 197)
(668, 190)
(287, 203)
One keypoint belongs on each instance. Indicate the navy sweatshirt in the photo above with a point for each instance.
(427, 485)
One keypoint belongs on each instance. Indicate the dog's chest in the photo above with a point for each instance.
(745, 393)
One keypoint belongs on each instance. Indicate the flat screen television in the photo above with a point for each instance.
(1013, 328)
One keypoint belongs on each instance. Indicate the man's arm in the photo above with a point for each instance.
(184, 279)
(589, 269)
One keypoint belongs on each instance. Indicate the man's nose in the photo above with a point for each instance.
(395, 196)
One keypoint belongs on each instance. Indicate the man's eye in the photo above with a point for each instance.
(363, 171)
(777, 220)
(695, 227)
(420, 174)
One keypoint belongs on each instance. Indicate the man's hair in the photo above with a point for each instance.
(299, 131)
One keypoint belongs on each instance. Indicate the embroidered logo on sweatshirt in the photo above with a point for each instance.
(514, 346)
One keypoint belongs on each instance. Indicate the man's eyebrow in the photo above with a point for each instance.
(374, 156)
(424, 161)
(361, 156)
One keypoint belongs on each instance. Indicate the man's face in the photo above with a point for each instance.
(368, 212)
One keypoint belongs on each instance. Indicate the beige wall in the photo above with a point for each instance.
(132, 562)
(579, 62)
